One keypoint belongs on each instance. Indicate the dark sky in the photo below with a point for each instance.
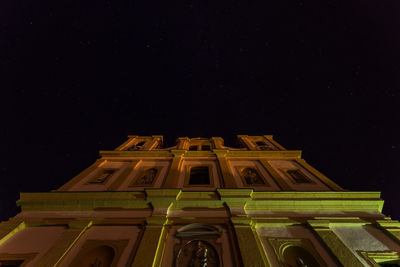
(79, 76)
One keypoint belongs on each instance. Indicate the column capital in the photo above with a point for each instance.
(157, 220)
(319, 224)
(221, 152)
(178, 152)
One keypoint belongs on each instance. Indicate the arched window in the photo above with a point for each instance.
(197, 246)
(297, 256)
(199, 176)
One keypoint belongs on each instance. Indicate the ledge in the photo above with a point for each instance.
(188, 153)
(245, 198)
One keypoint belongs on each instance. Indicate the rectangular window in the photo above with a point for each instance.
(263, 146)
(102, 176)
(206, 148)
(298, 176)
(11, 263)
(193, 148)
(199, 176)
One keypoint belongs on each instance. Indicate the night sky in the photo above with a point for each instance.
(79, 76)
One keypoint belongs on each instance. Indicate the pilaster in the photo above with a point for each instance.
(249, 245)
(333, 242)
(218, 142)
(247, 142)
(152, 244)
(57, 252)
(183, 143)
(156, 139)
(128, 170)
(127, 143)
(173, 174)
(391, 227)
(81, 175)
(281, 182)
(227, 176)
(276, 144)
(9, 228)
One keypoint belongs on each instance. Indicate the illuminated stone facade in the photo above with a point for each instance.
(200, 203)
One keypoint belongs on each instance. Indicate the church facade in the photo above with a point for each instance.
(200, 203)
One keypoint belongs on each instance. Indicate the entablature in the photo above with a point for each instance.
(200, 153)
(241, 200)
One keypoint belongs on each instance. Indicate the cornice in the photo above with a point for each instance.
(176, 199)
(215, 152)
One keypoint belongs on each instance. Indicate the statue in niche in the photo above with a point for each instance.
(251, 176)
(199, 256)
(97, 263)
(197, 253)
(148, 177)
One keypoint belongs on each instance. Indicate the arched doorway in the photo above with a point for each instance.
(198, 246)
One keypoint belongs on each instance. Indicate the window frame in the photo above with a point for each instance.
(24, 257)
(239, 169)
(265, 145)
(100, 172)
(210, 175)
(292, 180)
(141, 172)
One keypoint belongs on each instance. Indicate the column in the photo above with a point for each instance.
(344, 254)
(56, 253)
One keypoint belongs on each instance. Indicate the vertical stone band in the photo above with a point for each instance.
(336, 246)
(57, 252)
